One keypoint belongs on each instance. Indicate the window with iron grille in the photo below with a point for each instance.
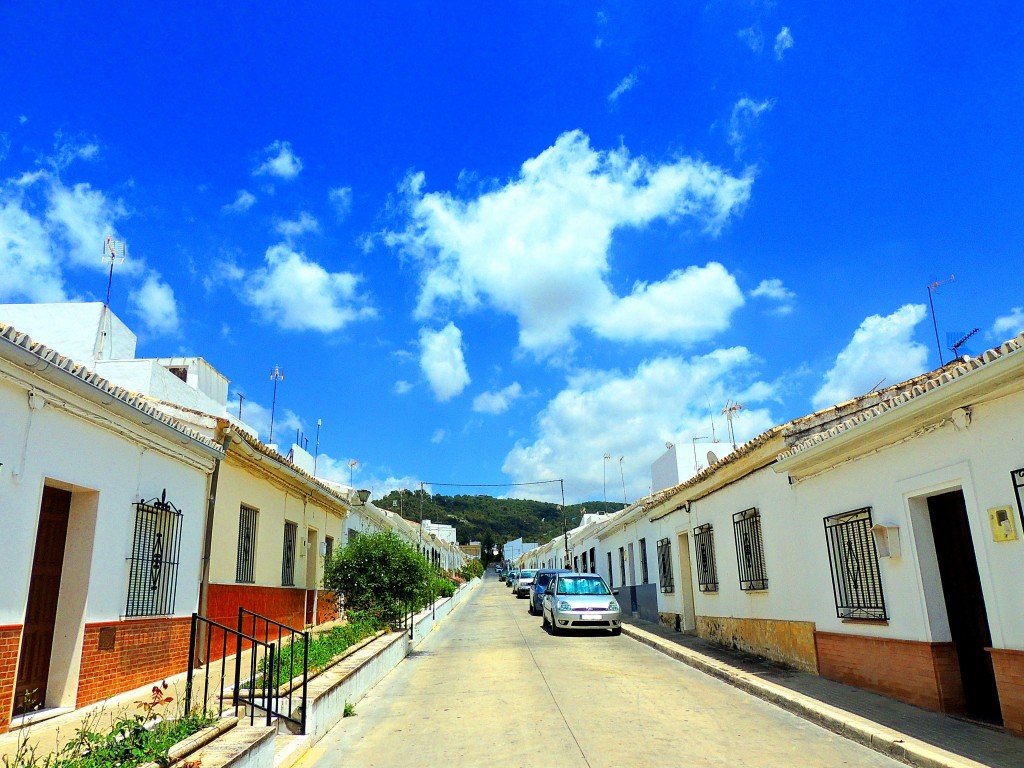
(644, 574)
(153, 572)
(856, 580)
(247, 519)
(593, 560)
(611, 576)
(622, 565)
(328, 547)
(665, 579)
(288, 555)
(746, 526)
(353, 534)
(704, 548)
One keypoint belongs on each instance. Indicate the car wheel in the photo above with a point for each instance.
(616, 630)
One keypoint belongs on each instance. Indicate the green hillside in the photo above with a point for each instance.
(490, 520)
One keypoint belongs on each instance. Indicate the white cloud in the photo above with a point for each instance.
(402, 387)
(291, 228)
(689, 305)
(743, 120)
(257, 416)
(442, 361)
(340, 199)
(244, 200)
(28, 263)
(774, 289)
(279, 161)
(438, 436)
(881, 348)
(625, 84)
(538, 247)
(153, 303)
(22, 119)
(1007, 326)
(499, 401)
(599, 42)
(299, 294)
(5, 146)
(752, 37)
(81, 218)
(633, 414)
(783, 42)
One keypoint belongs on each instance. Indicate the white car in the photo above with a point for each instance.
(580, 601)
(523, 583)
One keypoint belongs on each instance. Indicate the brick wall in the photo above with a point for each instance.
(145, 651)
(282, 604)
(10, 644)
(326, 607)
(925, 674)
(1009, 669)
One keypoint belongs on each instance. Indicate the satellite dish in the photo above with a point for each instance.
(711, 458)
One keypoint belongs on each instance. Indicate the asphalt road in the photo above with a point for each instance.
(490, 687)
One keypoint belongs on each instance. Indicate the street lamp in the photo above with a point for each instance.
(623, 477)
(605, 466)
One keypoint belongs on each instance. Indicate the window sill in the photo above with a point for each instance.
(875, 622)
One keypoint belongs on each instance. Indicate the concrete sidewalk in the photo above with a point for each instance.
(916, 736)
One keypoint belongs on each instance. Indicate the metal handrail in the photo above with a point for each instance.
(285, 706)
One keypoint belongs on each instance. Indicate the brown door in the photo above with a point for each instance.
(965, 604)
(43, 591)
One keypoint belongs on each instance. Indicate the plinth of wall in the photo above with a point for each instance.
(787, 642)
(1009, 668)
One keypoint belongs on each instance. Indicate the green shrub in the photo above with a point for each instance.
(323, 648)
(473, 569)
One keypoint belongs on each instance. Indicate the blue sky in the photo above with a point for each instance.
(493, 243)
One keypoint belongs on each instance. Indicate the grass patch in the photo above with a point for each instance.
(323, 648)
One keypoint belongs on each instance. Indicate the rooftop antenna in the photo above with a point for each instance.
(114, 252)
(276, 375)
(714, 438)
(696, 466)
(317, 453)
(955, 346)
(931, 289)
(241, 399)
(731, 408)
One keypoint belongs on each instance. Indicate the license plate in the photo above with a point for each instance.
(589, 617)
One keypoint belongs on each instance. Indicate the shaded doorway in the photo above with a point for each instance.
(43, 594)
(965, 603)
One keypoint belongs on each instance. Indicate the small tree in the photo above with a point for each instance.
(377, 572)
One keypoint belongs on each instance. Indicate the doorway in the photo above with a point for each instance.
(41, 609)
(688, 617)
(965, 603)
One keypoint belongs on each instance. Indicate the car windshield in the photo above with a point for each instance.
(526, 575)
(581, 586)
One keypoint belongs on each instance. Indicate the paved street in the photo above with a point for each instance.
(491, 687)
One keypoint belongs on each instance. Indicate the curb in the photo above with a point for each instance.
(854, 727)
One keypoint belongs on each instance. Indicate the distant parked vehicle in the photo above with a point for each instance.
(523, 583)
(540, 584)
(580, 601)
(513, 574)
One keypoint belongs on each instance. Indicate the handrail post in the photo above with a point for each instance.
(305, 676)
(191, 663)
(238, 662)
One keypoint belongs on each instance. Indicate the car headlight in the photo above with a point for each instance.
(564, 606)
(613, 606)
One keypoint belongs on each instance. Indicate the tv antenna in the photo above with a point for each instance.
(276, 375)
(932, 288)
(732, 408)
(114, 252)
(696, 466)
(714, 437)
(955, 346)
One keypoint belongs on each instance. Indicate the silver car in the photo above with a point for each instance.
(523, 583)
(580, 601)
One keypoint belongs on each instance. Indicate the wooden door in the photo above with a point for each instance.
(965, 603)
(41, 611)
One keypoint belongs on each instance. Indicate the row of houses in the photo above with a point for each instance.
(877, 542)
(130, 499)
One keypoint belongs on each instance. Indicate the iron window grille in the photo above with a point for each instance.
(593, 559)
(328, 547)
(856, 580)
(288, 556)
(644, 573)
(746, 527)
(1017, 478)
(611, 576)
(704, 548)
(622, 565)
(153, 572)
(244, 565)
(666, 581)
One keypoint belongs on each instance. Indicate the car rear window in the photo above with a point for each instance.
(581, 586)
(526, 575)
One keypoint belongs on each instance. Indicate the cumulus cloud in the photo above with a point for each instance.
(774, 290)
(81, 218)
(1007, 326)
(625, 84)
(244, 200)
(442, 361)
(279, 160)
(291, 228)
(881, 348)
(538, 246)
(783, 42)
(402, 387)
(257, 416)
(633, 414)
(154, 304)
(28, 261)
(744, 118)
(752, 38)
(340, 199)
(438, 436)
(299, 294)
(499, 401)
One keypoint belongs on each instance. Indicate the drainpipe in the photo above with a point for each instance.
(204, 584)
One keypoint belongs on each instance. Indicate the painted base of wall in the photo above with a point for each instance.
(144, 650)
(10, 645)
(326, 607)
(1009, 669)
(671, 620)
(925, 674)
(282, 604)
(787, 642)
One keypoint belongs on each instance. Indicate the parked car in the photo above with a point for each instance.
(523, 583)
(580, 601)
(513, 574)
(540, 583)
